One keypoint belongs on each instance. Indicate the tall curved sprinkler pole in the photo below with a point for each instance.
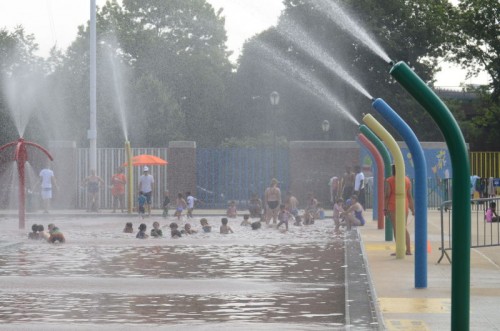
(400, 182)
(387, 171)
(130, 178)
(420, 188)
(461, 217)
(21, 157)
(375, 171)
(380, 176)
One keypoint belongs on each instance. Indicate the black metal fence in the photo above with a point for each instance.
(483, 233)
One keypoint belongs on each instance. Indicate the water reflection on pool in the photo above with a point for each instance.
(104, 276)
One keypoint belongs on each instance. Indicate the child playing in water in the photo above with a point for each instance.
(166, 203)
(205, 226)
(141, 201)
(174, 230)
(338, 209)
(188, 229)
(156, 231)
(231, 210)
(142, 232)
(256, 225)
(34, 234)
(42, 233)
(180, 205)
(284, 216)
(246, 220)
(55, 234)
(224, 228)
(128, 228)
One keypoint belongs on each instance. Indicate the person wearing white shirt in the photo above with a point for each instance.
(146, 185)
(359, 185)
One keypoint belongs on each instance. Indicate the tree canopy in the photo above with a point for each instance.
(164, 72)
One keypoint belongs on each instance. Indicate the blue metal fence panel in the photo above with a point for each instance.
(226, 174)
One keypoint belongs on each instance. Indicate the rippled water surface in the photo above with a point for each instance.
(103, 276)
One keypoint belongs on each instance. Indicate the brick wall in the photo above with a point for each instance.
(181, 169)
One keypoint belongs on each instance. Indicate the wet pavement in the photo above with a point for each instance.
(264, 279)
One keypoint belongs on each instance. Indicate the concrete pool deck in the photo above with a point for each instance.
(404, 307)
(400, 305)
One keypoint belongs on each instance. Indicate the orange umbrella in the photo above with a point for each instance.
(146, 159)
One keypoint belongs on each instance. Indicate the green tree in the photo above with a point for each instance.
(476, 40)
(408, 30)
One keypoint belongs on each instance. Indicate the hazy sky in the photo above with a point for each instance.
(54, 22)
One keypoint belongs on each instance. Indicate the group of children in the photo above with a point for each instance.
(181, 204)
(53, 236)
(156, 232)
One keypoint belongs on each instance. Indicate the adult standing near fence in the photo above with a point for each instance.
(272, 198)
(390, 204)
(118, 181)
(359, 185)
(47, 182)
(146, 186)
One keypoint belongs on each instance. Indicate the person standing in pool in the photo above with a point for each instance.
(146, 185)
(93, 184)
(118, 182)
(47, 182)
(272, 198)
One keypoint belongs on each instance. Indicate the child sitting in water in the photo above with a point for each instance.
(246, 220)
(174, 230)
(224, 228)
(256, 225)
(55, 234)
(142, 232)
(42, 233)
(205, 226)
(298, 221)
(156, 231)
(232, 212)
(128, 228)
(188, 229)
(34, 234)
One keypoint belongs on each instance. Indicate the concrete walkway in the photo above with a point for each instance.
(403, 307)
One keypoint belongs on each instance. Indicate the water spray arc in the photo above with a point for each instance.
(130, 178)
(400, 182)
(21, 157)
(420, 188)
(461, 205)
(386, 157)
(379, 176)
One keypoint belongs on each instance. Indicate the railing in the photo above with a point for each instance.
(483, 234)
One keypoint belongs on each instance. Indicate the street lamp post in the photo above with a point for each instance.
(325, 126)
(275, 100)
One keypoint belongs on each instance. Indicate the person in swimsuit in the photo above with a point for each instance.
(272, 197)
(354, 214)
(93, 184)
(180, 205)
